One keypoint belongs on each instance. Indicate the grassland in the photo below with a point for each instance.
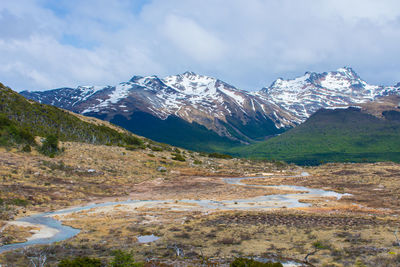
(357, 229)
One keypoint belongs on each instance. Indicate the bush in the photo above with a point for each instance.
(155, 148)
(80, 262)
(132, 148)
(4, 121)
(50, 146)
(219, 156)
(320, 245)
(124, 259)
(27, 148)
(178, 157)
(133, 140)
(11, 133)
(19, 202)
(244, 262)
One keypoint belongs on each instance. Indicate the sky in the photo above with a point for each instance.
(47, 44)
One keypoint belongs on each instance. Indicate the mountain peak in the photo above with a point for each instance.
(135, 78)
(345, 69)
(348, 71)
(189, 74)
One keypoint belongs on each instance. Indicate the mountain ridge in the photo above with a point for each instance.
(368, 133)
(233, 114)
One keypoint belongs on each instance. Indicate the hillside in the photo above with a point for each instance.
(334, 135)
(23, 119)
(212, 114)
(206, 107)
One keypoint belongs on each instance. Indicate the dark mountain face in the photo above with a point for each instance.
(223, 110)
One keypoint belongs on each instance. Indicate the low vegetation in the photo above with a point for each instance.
(345, 135)
(244, 262)
(21, 120)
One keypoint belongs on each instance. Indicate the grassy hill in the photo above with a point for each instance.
(21, 120)
(333, 135)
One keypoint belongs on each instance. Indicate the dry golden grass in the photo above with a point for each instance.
(16, 234)
(357, 228)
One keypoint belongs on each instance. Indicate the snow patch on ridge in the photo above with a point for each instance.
(238, 98)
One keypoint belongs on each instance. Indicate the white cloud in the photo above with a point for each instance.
(192, 39)
(248, 43)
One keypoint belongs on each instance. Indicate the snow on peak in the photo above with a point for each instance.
(304, 95)
(346, 70)
(188, 73)
(190, 83)
(294, 85)
(120, 91)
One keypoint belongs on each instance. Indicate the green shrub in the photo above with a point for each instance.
(320, 245)
(133, 140)
(155, 148)
(19, 202)
(124, 259)
(178, 157)
(50, 146)
(244, 262)
(219, 155)
(4, 121)
(27, 148)
(131, 148)
(197, 162)
(80, 262)
(11, 133)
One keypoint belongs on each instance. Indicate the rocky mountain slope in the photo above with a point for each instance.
(303, 96)
(210, 112)
(206, 105)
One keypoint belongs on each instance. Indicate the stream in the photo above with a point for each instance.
(53, 230)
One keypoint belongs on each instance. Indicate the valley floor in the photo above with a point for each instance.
(198, 216)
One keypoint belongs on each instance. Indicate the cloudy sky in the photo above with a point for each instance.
(248, 43)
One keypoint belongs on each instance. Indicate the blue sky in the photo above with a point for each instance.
(48, 44)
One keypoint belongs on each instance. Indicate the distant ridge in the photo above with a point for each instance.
(332, 135)
(222, 115)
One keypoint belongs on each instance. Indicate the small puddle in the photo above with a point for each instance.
(147, 238)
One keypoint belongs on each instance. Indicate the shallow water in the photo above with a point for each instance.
(64, 232)
(147, 238)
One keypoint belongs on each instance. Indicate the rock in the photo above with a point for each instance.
(91, 170)
(161, 169)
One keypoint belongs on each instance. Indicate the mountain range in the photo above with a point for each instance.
(209, 113)
(368, 133)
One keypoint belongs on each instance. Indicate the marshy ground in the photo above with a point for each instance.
(357, 229)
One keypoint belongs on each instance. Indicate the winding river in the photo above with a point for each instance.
(53, 230)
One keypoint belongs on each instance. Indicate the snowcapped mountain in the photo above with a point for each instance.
(209, 109)
(195, 99)
(303, 96)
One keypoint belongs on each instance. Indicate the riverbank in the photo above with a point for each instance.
(207, 217)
